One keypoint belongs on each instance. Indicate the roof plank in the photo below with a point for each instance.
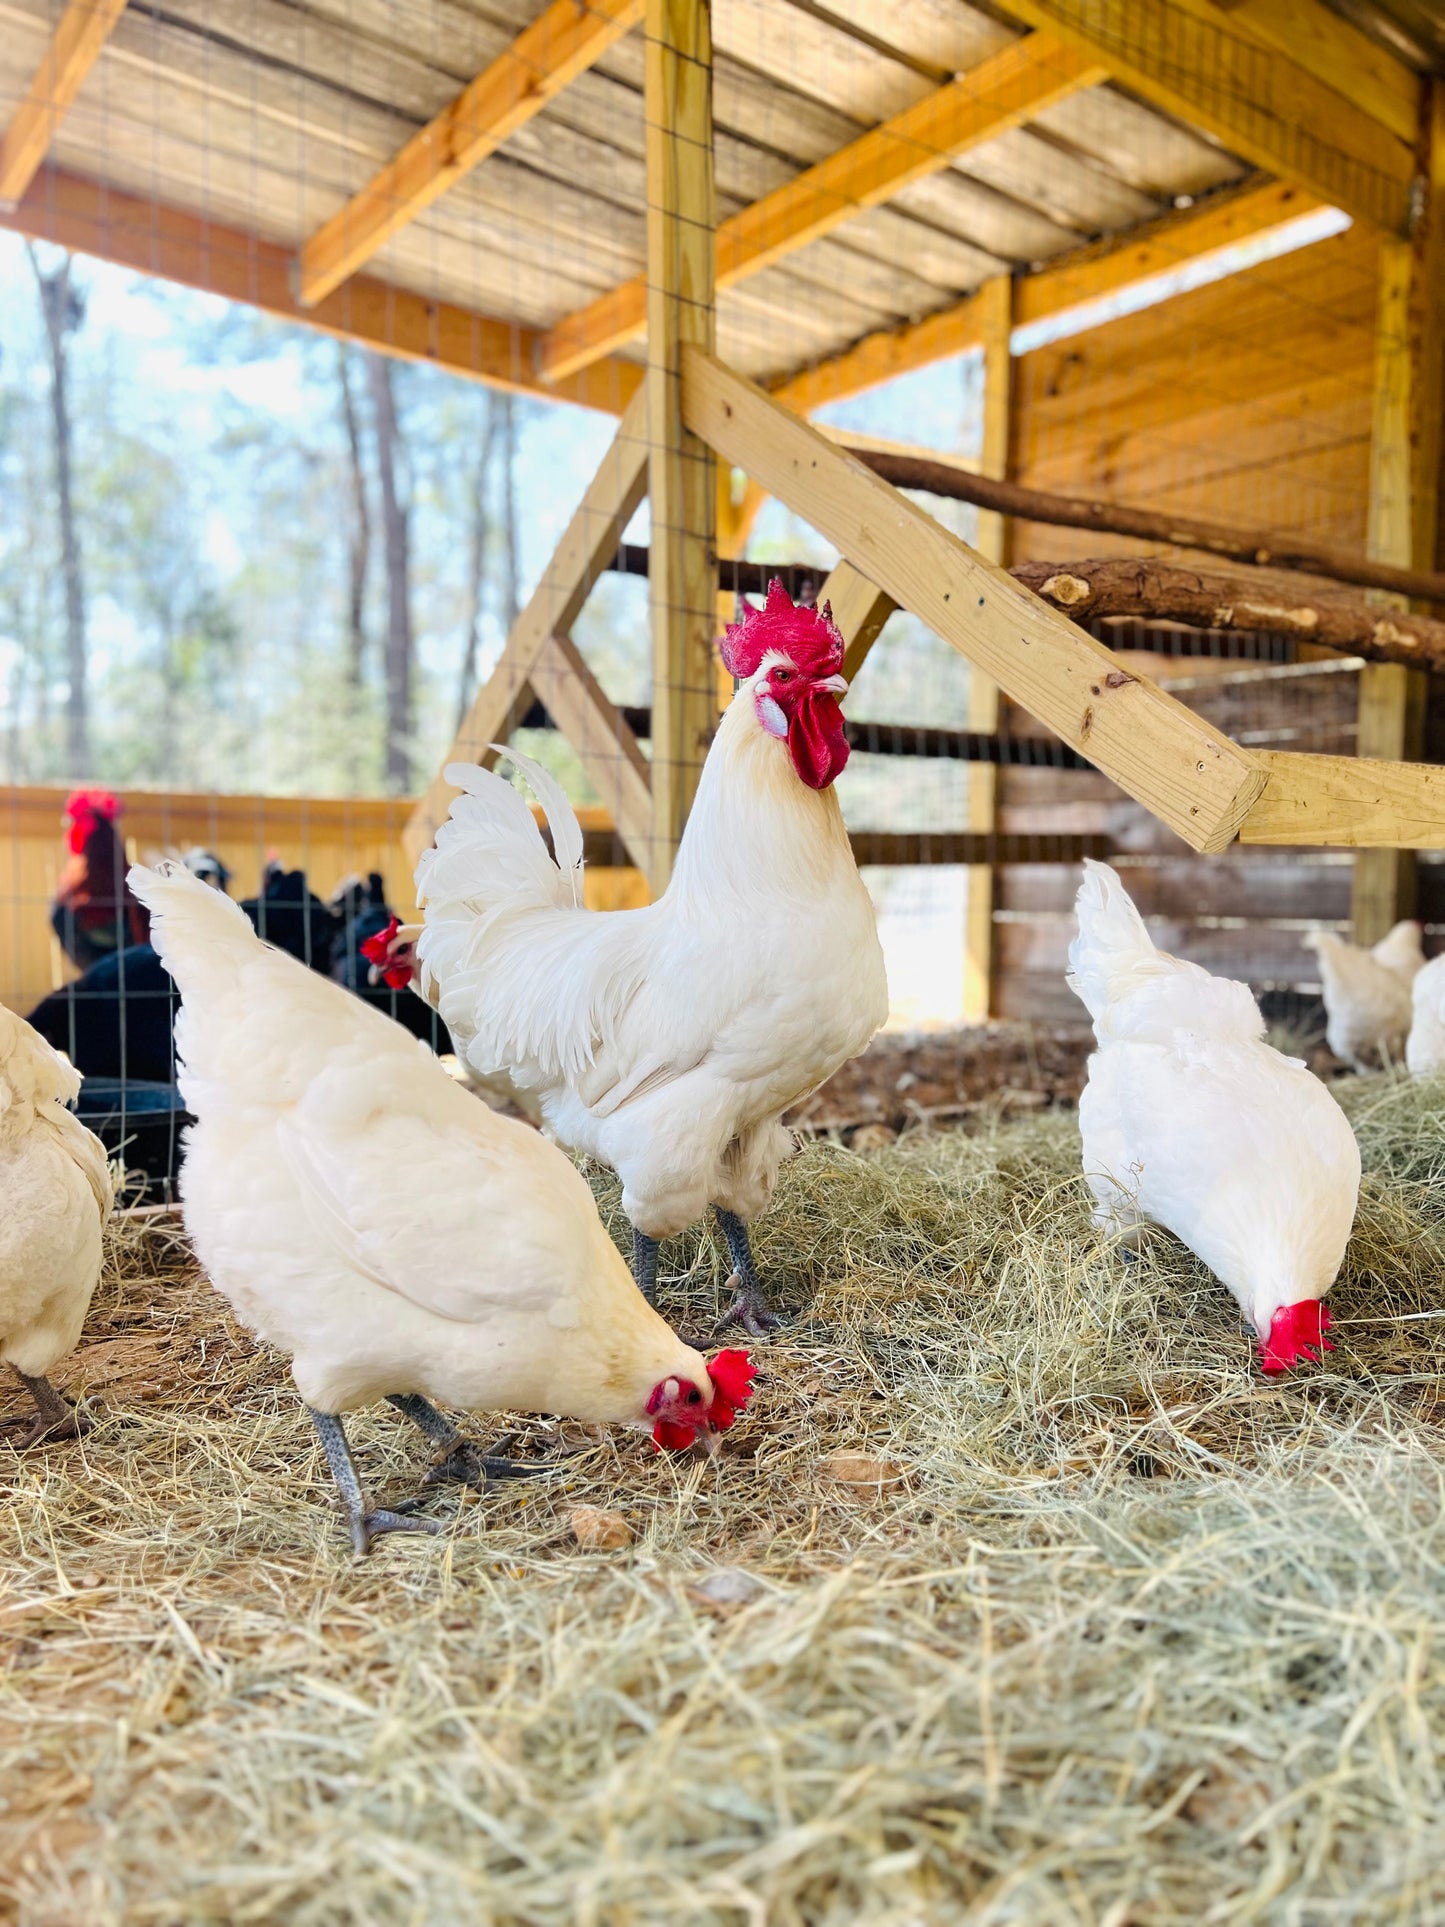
(74, 48)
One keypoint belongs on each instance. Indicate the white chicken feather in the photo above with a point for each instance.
(1367, 993)
(395, 1237)
(666, 1041)
(1190, 1120)
(57, 1190)
(1425, 1047)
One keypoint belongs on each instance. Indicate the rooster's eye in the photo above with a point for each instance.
(782, 675)
(694, 1397)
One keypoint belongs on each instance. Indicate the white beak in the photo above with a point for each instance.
(835, 685)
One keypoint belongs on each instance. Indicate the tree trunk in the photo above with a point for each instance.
(62, 309)
(397, 538)
(359, 535)
(477, 561)
(511, 591)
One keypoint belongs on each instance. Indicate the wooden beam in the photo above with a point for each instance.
(1405, 454)
(1256, 100)
(681, 488)
(80, 33)
(891, 849)
(583, 554)
(860, 609)
(1160, 752)
(154, 238)
(1335, 52)
(1350, 802)
(996, 314)
(1089, 274)
(594, 726)
(1000, 93)
(547, 56)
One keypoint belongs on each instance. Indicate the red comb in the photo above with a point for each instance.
(377, 950)
(1296, 1336)
(732, 1374)
(808, 637)
(93, 803)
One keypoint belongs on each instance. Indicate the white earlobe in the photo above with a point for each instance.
(771, 717)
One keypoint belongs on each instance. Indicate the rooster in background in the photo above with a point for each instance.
(1191, 1121)
(94, 915)
(1367, 993)
(399, 1240)
(668, 1041)
(57, 1194)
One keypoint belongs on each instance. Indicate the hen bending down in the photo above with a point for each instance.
(1192, 1121)
(57, 1197)
(669, 1041)
(1367, 993)
(396, 1238)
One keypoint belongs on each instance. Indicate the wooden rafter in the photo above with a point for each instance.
(1335, 52)
(80, 33)
(999, 94)
(1191, 778)
(1092, 273)
(586, 548)
(546, 57)
(1254, 98)
(860, 609)
(156, 239)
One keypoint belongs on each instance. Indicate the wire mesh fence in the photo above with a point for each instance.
(279, 509)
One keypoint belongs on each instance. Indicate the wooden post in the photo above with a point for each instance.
(681, 488)
(996, 308)
(1405, 456)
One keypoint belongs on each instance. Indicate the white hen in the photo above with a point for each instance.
(1192, 1121)
(1425, 1047)
(1367, 993)
(669, 1041)
(57, 1192)
(399, 1240)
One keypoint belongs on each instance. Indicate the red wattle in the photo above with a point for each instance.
(668, 1436)
(817, 742)
(1296, 1336)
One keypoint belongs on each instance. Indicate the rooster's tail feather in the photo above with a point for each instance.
(1112, 940)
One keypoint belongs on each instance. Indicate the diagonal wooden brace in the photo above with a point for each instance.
(587, 547)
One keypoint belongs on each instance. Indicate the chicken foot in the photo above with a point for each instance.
(365, 1525)
(56, 1417)
(750, 1309)
(460, 1459)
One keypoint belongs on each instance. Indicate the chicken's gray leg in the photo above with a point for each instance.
(365, 1525)
(751, 1309)
(644, 1264)
(460, 1458)
(56, 1417)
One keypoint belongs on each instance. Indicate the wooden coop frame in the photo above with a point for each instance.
(1328, 116)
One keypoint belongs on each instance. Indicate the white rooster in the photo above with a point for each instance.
(1192, 1121)
(57, 1192)
(669, 1041)
(1425, 1047)
(399, 1240)
(1367, 993)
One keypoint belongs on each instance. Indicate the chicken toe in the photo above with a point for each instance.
(365, 1524)
(55, 1417)
(750, 1309)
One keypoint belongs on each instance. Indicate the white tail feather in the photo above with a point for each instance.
(1112, 940)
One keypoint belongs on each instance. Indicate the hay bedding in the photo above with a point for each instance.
(1106, 1630)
